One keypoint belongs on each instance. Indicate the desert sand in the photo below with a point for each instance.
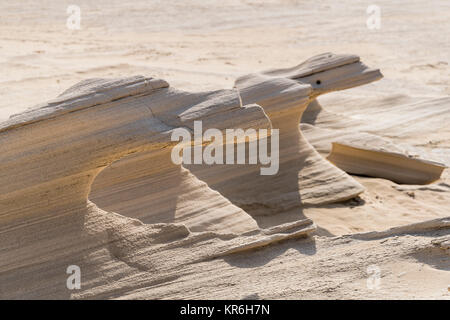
(87, 178)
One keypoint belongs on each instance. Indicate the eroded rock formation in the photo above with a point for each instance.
(50, 156)
(146, 221)
(304, 177)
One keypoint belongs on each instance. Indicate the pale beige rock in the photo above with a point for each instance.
(50, 156)
(389, 165)
(114, 253)
(205, 45)
(304, 177)
(322, 139)
(383, 159)
(352, 138)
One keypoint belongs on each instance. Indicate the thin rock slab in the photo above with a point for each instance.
(339, 138)
(382, 164)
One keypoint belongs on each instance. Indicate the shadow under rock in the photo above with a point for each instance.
(263, 256)
(436, 258)
(350, 203)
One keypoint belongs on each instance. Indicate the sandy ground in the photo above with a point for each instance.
(202, 45)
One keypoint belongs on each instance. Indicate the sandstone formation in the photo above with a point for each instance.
(51, 155)
(304, 177)
(154, 230)
(344, 140)
(393, 166)
(88, 181)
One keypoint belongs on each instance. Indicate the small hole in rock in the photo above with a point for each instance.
(318, 82)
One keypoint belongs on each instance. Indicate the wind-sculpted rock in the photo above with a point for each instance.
(383, 164)
(304, 177)
(368, 148)
(325, 73)
(89, 182)
(371, 155)
(51, 155)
